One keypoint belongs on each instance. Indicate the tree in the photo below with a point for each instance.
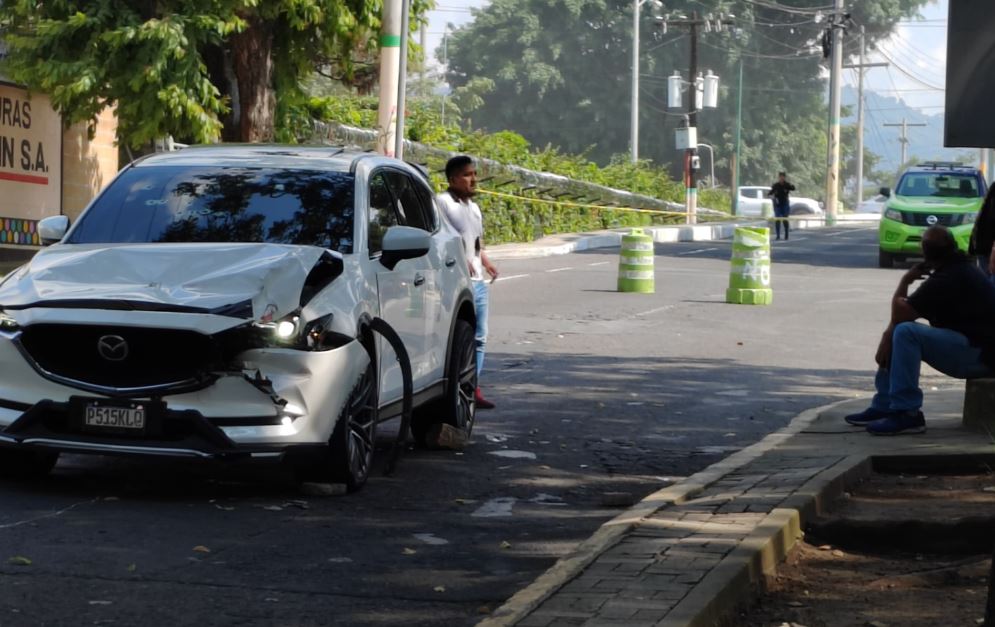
(562, 76)
(195, 69)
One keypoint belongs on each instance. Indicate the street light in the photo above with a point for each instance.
(634, 120)
(711, 160)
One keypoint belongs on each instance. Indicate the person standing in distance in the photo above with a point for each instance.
(780, 191)
(464, 216)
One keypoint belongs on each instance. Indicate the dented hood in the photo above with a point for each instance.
(215, 278)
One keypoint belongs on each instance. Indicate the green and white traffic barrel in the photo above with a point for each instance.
(635, 265)
(749, 276)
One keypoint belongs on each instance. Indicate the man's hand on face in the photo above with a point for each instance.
(916, 272)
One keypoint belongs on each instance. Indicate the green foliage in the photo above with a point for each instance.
(562, 75)
(524, 217)
(167, 65)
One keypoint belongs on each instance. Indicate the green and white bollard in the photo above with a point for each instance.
(749, 276)
(635, 265)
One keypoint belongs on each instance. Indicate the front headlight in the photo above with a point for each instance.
(893, 214)
(282, 332)
(7, 323)
(968, 218)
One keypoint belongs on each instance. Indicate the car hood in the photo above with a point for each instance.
(237, 280)
(934, 205)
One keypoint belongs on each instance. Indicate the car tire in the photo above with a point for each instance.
(457, 407)
(348, 457)
(26, 464)
(885, 259)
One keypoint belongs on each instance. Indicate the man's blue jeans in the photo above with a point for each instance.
(914, 343)
(480, 298)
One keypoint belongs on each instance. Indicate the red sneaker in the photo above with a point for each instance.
(483, 403)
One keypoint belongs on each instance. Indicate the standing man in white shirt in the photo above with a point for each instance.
(464, 216)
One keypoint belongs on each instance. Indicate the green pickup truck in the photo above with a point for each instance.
(949, 194)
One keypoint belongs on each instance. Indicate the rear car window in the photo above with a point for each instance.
(223, 204)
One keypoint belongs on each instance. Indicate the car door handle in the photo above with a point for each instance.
(419, 279)
(450, 262)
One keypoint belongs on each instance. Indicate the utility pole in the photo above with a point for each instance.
(835, 69)
(423, 43)
(860, 67)
(694, 23)
(390, 55)
(445, 68)
(903, 139)
(634, 106)
(739, 137)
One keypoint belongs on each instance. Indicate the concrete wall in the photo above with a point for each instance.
(88, 164)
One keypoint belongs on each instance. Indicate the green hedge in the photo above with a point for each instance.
(517, 219)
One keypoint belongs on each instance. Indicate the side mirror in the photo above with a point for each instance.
(885, 191)
(52, 229)
(403, 242)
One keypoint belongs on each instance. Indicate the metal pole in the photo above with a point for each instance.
(690, 185)
(634, 112)
(833, 157)
(445, 66)
(860, 123)
(739, 138)
(402, 79)
(390, 47)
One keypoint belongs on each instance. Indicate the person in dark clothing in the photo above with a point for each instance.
(780, 191)
(958, 301)
(983, 236)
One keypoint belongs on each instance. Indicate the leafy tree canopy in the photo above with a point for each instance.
(562, 76)
(195, 69)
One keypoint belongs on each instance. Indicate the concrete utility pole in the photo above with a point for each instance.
(860, 67)
(634, 106)
(835, 69)
(903, 139)
(390, 56)
(739, 138)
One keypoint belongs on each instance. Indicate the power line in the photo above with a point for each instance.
(789, 9)
(909, 74)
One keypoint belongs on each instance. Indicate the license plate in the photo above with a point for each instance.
(109, 417)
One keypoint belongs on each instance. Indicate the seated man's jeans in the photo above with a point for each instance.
(914, 343)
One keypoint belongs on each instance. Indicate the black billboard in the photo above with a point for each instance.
(970, 98)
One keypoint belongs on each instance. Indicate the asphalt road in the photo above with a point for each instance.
(598, 393)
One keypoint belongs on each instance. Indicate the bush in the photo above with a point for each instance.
(522, 219)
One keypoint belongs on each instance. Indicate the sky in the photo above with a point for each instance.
(918, 48)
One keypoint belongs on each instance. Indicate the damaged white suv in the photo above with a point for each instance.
(217, 302)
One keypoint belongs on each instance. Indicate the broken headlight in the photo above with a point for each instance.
(7, 323)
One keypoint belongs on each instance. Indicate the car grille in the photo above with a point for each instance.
(919, 218)
(95, 355)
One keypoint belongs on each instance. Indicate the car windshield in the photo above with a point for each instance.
(223, 204)
(943, 184)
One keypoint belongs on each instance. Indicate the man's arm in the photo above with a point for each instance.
(991, 262)
(901, 311)
(791, 187)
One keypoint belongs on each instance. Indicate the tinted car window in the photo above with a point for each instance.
(409, 203)
(218, 204)
(383, 214)
(941, 184)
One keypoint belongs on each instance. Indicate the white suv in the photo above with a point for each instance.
(218, 302)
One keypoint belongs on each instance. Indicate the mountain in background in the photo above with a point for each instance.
(925, 142)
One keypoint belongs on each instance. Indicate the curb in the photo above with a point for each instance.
(660, 235)
(732, 578)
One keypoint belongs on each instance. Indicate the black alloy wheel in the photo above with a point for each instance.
(458, 406)
(354, 439)
(885, 259)
(462, 384)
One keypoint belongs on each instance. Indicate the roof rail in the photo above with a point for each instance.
(942, 164)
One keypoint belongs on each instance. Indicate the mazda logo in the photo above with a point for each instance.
(931, 220)
(112, 348)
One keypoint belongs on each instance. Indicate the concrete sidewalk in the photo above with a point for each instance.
(568, 243)
(693, 554)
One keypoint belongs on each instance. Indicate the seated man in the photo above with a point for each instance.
(959, 304)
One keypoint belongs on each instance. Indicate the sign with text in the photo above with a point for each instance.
(30, 155)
